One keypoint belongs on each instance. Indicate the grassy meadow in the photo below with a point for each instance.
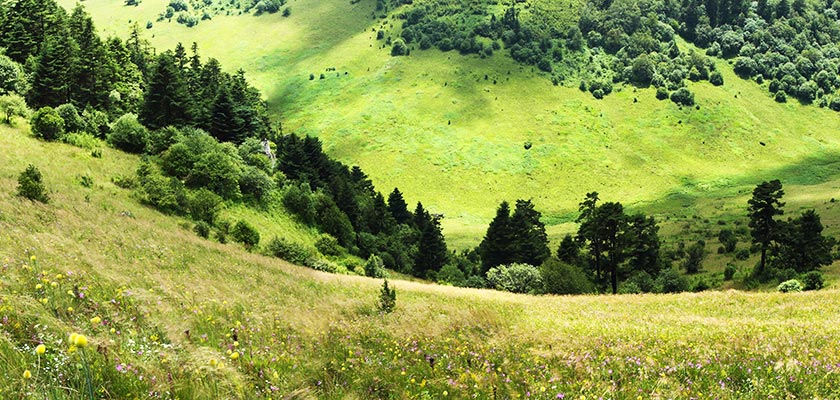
(451, 130)
(166, 314)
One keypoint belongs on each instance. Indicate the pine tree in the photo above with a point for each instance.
(167, 101)
(569, 251)
(94, 69)
(398, 207)
(643, 244)
(26, 25)
(421, 217)
(431, 253)
(225, 126)
(802, 245)
(55, 63)
(497, 247)
(763, 207)
(530, 242)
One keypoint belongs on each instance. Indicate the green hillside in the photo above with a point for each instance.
(432, 125)
(166, 314)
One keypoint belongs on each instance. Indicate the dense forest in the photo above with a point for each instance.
(791, 48)
(207, 141)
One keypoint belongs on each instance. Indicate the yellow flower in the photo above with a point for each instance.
(95, 320)
(235, 355)
(33, 258)
(44, 300)
(113, 330)
(69, 309)
(27, 374)
(214, 362)
(235, 343)
(39, 286)
(445, 393)
(73, 337)
(78, 340)
(40, 349)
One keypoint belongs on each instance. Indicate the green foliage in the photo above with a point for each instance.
(218, 170)
(162, 139)
(329, 246)
(73, 122)
(167, 194)
(715, 78)
(128, 134)
(559, 277)
(204, 206)
(519, 238)
(671, 281)
(12, 77)
(516, 278)
(374, 267)
(31, 185)
(399, 48)
(298, 200)
(729, 272)
(288, 250)
(82, 140)
(790, 286)
(450, 274)
(801, 244)
(662, 93)
(202, 229)
(13, 105)
(255, 183)
(696, 253)
(47, 124)
(683, 96)
(764, 206)
(728, 239)
(245, 233)
(387, 298)
(813, 280)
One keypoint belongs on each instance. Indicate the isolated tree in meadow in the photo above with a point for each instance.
(12, 105)
(587, 233)
(763, 207)
(802, 245)
(611, 223)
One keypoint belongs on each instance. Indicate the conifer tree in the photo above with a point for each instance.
(530, 242)
(764, 206)
(55, 64)
(167, 101)
(497, 247)
(431, 253)
(398, 207)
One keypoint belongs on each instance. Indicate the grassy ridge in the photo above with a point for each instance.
(174, 309)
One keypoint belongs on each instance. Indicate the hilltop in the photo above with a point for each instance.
(167, 314)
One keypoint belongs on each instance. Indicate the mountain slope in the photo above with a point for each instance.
(164, 312)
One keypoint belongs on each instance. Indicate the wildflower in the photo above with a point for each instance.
(44, 300)
(39, 286)
(40, 349)
(73, 337)
(445, 393)
(113, 330)
(235, 355)
(27, 374)
(214, 362)
(78, 340)
(95, 320)
(69, 309)
(235, 343)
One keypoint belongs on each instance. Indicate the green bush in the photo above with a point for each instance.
(204, 205)
(31, 185)
(322, 265)
(73, 122)
(202, 229)
(562, 278)
(289, 251)
(255, 183)
(661, 93)
(96, 123)
(813, 280)
(47, 124)
(329, 246)
(399, 48)
(683, 96)
(82, 140)
(516, 278)
(127, 134)
(374, 267)
(729, 272)
(670, 280)
(716, 78)
(246, 234)
(162, 139)
(789, 286)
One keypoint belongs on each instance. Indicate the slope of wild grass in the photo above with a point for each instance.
(169, 315)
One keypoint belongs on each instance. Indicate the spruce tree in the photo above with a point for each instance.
(530, 242)
(569, 250)
(55, 64)
(497, 247)
(398, 207)
(94, 70)
(431, 252)
(167, 101)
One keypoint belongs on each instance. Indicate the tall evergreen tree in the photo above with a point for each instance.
(55, 64)
(763, 207)
(643, 244)
(431, 252)
(497, 248)
(167, 101)
(421, 217)
(26, 25)
(569, 251)
(587, 232)
(225, 125)
(93, 72)
(530, 240)
(611, 223)
(802, 245)
(398, 207)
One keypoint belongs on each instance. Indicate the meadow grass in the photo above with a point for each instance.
(168, 314)
(432, 125)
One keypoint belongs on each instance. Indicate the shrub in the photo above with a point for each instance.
(683, 96)
(399, 48)
(729, 272)
(700, 286)
(562, 278)
(328, 246)
(81, 140)
(716, 78)
(202, 229)
(788, 286)
(255, 183)
(47, 124)
(287, 12)
(742, 254)
(671, 281)
(222, 231)
(96, 122)
(246, 234)
(451, 274)
(387, 298)
(374, 267)
(289, 251)
(813, 280)
(781, 96)
(162, 139)
(661, 93)
(643, 281)
(127, 134)
(12, 105)
(516, 278)
(31, 185)
(204, 205)
(73, 122)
